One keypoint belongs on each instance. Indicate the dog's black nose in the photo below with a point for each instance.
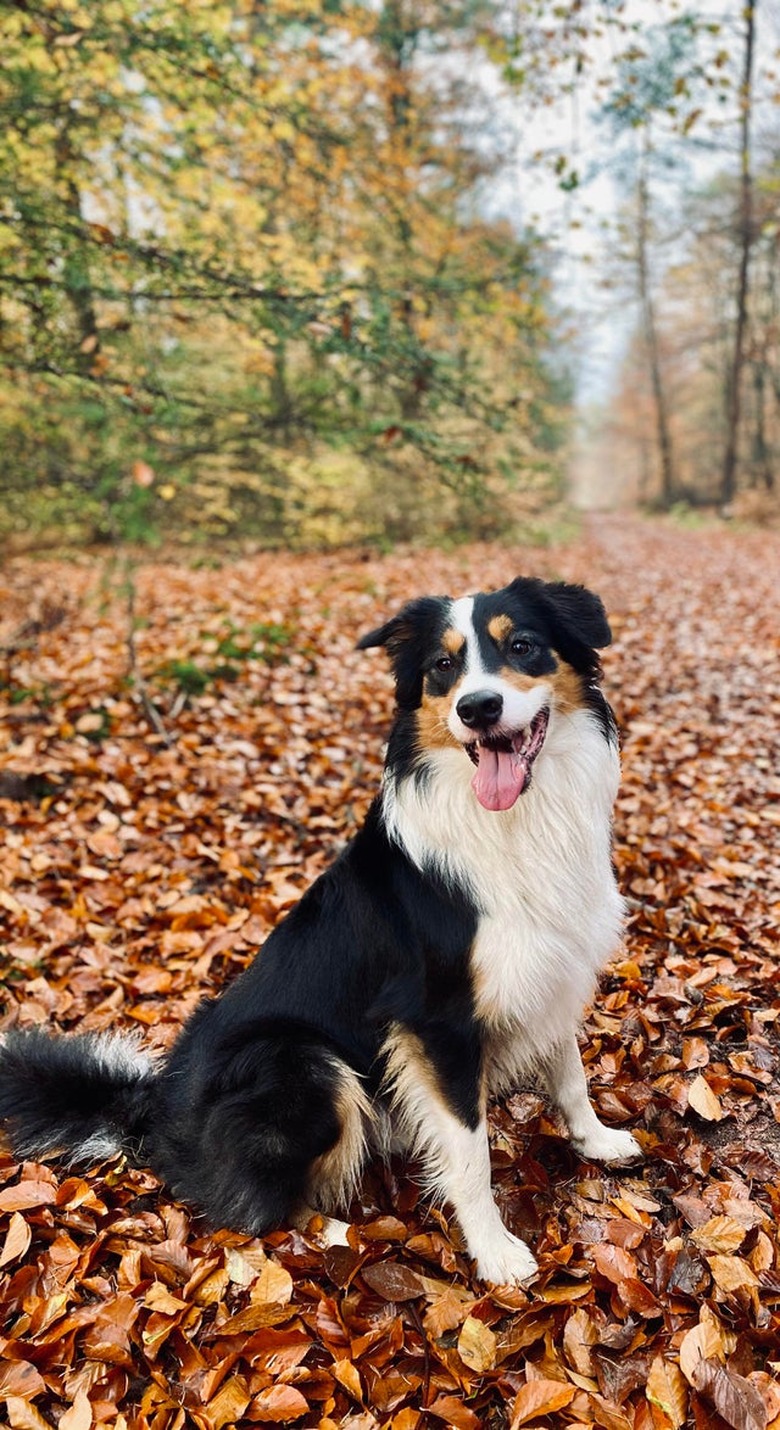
(480, 708)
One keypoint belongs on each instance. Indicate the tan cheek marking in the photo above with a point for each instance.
(567, 687)
(564, 683)
(453, 641)
(500, 628)
(433, 731)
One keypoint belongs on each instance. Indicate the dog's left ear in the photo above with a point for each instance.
(580, 612)
(405, 638)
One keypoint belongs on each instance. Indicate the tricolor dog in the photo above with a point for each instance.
(446, 955)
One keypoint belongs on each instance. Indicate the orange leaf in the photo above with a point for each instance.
(79, 1415)
(454, 1412)
(347, 1375)
(703, 1342)
(477, 1345)
(27, 1194)
(703, 1100)
(666, 1388)
(17, 1239)
(540, 1397)
(279, 1404)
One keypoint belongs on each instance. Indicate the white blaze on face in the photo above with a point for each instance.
(519, 706)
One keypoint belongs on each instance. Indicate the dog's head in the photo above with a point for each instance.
(485, 672)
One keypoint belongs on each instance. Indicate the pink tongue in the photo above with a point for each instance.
(499, 779)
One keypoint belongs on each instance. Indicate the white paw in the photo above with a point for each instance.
(506, 1260)
(607, 1144)
(333, 1232)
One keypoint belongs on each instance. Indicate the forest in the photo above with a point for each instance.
(264, 271)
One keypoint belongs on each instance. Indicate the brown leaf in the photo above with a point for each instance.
(736, 1399)
(445, 1313)
(25, 1195)
(274, 1284)
(720, 1233)
(477, 1345)
(731, 1273)
(540, 1397)
(393, 1281)
(229, 1404)
(17, 1239)
(666, 1388)
(702, 1342)
(79, 1416)
(24, 1416)
(703, 1100)
(579, 1335)
(615, 1263)
(279, 1404)
(384, 1228)
(454, 1412)
(347, 1375)
(19, 1378)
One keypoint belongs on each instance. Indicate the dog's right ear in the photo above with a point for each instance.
(406, 638)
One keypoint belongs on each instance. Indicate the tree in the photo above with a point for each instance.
(746, 239)
(236, 239)
(642, 114)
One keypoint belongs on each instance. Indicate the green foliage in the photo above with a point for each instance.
(239, 290)
(185, 675)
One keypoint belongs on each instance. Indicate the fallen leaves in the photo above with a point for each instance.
(137, 876)
(703, 1100)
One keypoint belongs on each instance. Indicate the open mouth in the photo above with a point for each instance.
(505, 763)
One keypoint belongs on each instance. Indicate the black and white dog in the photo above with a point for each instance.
(446, 954)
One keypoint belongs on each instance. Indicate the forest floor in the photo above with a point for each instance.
(165, 797)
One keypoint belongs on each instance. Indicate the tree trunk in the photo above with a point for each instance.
(745, 230)
(75, 267)
(760, 458)
(650, 328)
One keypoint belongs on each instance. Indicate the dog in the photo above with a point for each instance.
(446, 955)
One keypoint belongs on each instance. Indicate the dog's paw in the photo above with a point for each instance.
(610, 1145)
(333, 1232)
(507, 1260)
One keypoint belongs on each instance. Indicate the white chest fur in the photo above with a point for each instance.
(541, 874)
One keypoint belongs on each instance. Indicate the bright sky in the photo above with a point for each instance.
(575, 222)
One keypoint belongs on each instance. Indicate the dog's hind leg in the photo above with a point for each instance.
(333, 1177)
(564, 1078)
(455, 1157)
(278, 1124)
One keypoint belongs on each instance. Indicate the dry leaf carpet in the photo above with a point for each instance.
(188, 743)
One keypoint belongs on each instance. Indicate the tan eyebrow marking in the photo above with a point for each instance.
(453, 641)
(500, 627)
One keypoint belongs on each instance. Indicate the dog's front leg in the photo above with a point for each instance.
(565, 1080)
(456, 1161)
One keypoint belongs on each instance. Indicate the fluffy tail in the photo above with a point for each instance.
(83, 1097)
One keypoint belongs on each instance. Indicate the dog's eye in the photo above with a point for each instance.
(522, 645)
(444, 663)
